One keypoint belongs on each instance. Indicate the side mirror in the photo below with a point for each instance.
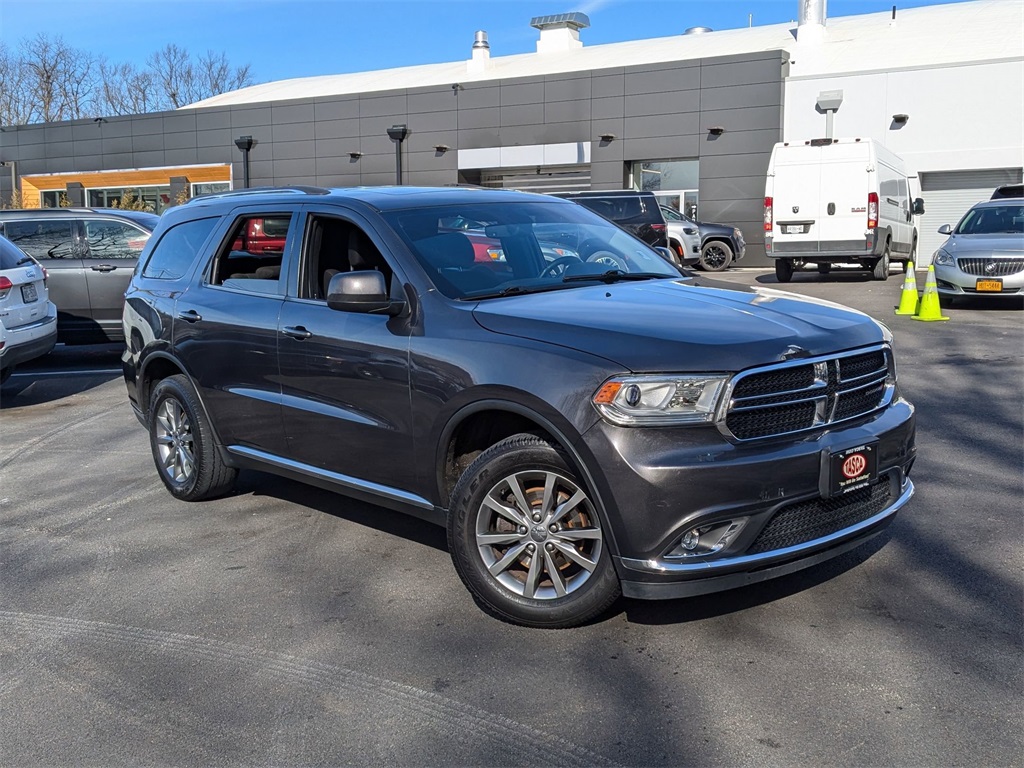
(918, 206)
(364, 292)
(945, 229)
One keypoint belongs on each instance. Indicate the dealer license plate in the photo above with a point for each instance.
(853, 468)
(28, 293)
(992, 286)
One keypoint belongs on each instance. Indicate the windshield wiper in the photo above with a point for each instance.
(512, 290)
(614, 276)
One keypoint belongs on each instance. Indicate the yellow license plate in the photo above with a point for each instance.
(989, 285)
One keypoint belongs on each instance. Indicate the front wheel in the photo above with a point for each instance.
(182, 442)
(715, 256)
(526, 537)
(783, 270)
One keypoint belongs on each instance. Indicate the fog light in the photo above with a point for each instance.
(708, 539)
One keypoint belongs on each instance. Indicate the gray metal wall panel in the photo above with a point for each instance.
(119, 144)
(659, 148)
(147, 143)
(148, 126)
(83, 132)
(668, 102)
(522, 114)
(607, 83)
(386, 106)
(376, 143)
(479, 97)
(293, 113)
(148, 159)
(220, 137)
(562, 133)
(731, 188)
(336, 109)
(679, 124)
(181, 156)
(431, 100)
(293, 150)
(211, 119)
(115, 128)
(334, 166)
(176, 123)
(88, 148)
(742, 96)
(522, 93)
(611, 107)
(566, 88)
(426, 141)
(480, 118)
(247, 117)
(207, 155)
(740, 73)
(740, 142)
(434, 121)
(29, 152)
(294, 169)
(375, 129)
(336, 129)
(180, 140)
(731, 166)
(744, 119)
(289, 132)
(660, 80)
(472, 138)
(566, 111)
(336, 147)
(117, 160)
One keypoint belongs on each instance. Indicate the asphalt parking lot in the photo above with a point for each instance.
(286, 625)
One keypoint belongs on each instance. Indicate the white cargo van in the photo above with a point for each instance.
(838, 201)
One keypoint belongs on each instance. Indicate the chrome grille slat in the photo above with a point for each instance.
(765, 403)
(990, 267)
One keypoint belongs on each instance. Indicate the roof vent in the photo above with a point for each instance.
(811, 21)
(698, 30)
(481, 53)
(560, 32)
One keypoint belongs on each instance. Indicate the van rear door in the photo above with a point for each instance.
(796, 196)
(845, 183)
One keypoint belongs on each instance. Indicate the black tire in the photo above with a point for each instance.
(824, 268)
(182, 442)
(913, 252)
(783, 270)
(5, 374)
(498, 555)
(880, 270)
(715, 256)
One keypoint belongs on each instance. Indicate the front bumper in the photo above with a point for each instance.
(953, 281)
(666, 482)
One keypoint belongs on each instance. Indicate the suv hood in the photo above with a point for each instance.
(666, 325)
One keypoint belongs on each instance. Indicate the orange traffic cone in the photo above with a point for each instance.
(929, 309)
(908, 299)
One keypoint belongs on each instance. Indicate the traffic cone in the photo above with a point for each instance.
(908, 299)
(929, 309)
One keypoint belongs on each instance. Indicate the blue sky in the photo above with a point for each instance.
(297, 38)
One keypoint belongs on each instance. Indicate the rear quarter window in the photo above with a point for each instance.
(11, 256)
(174, 254)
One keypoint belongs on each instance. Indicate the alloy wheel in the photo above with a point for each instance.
(174, 441)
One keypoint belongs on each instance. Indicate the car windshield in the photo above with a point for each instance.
(991, 220)
(527, 247)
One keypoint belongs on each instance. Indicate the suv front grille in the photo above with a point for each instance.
(991, 267)
(806, 394)
(812, 519)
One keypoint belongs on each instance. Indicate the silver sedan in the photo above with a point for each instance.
(984, 254)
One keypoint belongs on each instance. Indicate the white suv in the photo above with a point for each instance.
(28, 319)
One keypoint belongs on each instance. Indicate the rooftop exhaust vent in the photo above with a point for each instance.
(481, 54)
(560, 32)
(698, 30)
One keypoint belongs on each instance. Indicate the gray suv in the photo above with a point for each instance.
(89, 255)
(583, 420)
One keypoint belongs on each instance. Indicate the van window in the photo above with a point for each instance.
(54, 239)
(173, 255)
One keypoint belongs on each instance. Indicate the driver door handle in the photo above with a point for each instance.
(296, 332)
(190, 316)
(103, 267)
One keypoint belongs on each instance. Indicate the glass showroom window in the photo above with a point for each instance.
(210, 187)
(673, 182)
(156, 198)
(50, 198)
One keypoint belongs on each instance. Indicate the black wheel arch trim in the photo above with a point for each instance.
(576, 449)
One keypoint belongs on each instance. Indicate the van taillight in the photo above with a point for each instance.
(872, 210)
(768, 214)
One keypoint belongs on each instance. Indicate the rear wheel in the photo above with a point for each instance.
(526, 537)
(783, 270)
(715, 256)
(182, 442)
(880, 271)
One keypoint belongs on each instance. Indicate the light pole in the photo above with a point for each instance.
(397, 133)
(245, 143)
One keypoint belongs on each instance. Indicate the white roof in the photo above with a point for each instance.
(931, 36)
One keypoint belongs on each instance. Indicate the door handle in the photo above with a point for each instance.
(103, 267)
(296, 332)
(190, 316)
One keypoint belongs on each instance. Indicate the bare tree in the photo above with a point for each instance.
(126, 90)
(15, 105)
(217, 76)
(60, 80)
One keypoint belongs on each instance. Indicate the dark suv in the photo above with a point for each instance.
(636, 212)
(582, 419)
(89, 254)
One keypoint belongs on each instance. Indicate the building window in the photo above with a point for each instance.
(50, 198)
(674, 182)
(155, 198)
(210, 188)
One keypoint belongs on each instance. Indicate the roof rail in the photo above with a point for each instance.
(295, 190)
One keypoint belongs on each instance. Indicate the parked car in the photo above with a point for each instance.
(984, 255)
(1008, 190)
(720, 244)
(28, 319)
(636, 212)
(838, 201)
(683, 236)
(582, 426)
(89, 254)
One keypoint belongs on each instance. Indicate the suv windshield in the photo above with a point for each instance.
(991, 220)
(522, 248)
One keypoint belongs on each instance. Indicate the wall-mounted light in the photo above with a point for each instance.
(716, 130)
(355, 155)
(245, 143)
(606, 137)
(397, 134)
(900, 119)
(441, 148)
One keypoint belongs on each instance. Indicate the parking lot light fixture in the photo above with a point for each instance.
(245, 143)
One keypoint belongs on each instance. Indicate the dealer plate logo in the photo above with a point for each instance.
(855, 465)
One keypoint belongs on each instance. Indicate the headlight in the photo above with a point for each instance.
(943, 259)
(660, 400)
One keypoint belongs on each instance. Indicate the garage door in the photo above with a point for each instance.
(545, 179)
(948, 195)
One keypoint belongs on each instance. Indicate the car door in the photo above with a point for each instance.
(345, 375)
(226, 334)
(111, 251)
(55, 244)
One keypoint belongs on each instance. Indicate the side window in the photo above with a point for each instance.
(44, 239)
(173, 255)
(903, 189)
(114, 239)
(889, 188)
(251, 258)
(334, 245)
